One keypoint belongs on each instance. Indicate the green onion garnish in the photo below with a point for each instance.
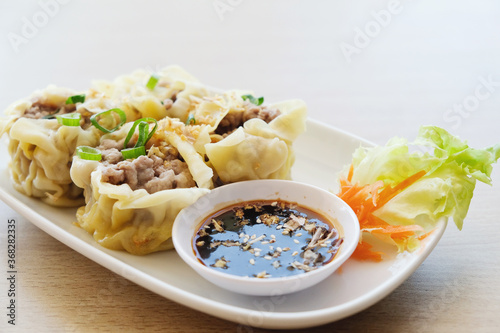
(253, 100)
(76, 99)
(191, 120)
(123, 119)
(143, 128)
(69, 119)
(88, 153)
(51, 115)
(153, 80)
(133, 152)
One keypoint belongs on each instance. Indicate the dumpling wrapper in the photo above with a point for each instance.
(119, 218)
(137, 100)
(136, 221)
(260, 150)
(186, 139)
(41, 150)
(243, 156)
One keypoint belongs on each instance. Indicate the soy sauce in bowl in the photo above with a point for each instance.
(264, 239)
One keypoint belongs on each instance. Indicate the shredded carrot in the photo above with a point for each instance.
(364, 252)
(426, 234)
(351, 172)
(388, 193)
(365, 200)
(399, 231)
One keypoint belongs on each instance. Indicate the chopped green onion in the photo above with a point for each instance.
(51, 115)
(191, 120)
(69, 119)
(153, 80)
(88, 153)
(143, 131)
(76, 99)
(133, 152)
(253, 100)
(123, 119)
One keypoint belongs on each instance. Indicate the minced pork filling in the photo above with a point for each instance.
(40, 109)
(162, 169)
(233, 120)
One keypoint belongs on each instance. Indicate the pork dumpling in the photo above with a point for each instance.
(41, 149)
(170, 97)
(131, 204)
(255, 142)
(225, 113)
(136, 221)
(243, 156)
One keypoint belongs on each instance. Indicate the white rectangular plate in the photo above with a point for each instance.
(321, 153)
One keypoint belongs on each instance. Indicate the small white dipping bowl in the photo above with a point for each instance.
(323, 202)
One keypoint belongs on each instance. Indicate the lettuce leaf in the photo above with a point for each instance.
(446, 190)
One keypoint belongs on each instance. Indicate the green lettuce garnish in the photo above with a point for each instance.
(446, 189)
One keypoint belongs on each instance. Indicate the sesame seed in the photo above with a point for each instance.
(264, 242)
(268, 257)
(299, 234)
(295, 253)
(273, 236)
(296, 241)
(254, 240)
(252, 261)
(262, 275)
(279, 249)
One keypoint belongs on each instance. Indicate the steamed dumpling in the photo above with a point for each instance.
(120, 218)
(41, 149)
(131, 204)
(250, 141)
(243, 156)
(169, 98)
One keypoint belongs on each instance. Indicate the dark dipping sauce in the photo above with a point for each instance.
(266, 239)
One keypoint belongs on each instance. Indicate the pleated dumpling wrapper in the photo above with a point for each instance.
(131, 205)
(144, 93)
(41, 149)
(250, 141)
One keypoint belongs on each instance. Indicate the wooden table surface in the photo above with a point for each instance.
(377, 69)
